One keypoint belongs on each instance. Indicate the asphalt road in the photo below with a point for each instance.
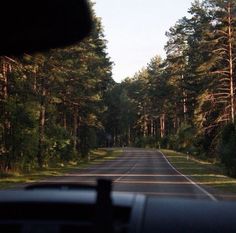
(141, 171)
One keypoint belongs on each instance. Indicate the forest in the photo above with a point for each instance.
(185, 102)
(59, 105)
(52, 103)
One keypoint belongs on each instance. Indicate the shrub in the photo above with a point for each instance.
(147, 142)
(185, 138)
(227, 149)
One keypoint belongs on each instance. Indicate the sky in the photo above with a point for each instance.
(135, 30)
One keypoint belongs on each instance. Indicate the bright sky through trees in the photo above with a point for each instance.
(135, 30)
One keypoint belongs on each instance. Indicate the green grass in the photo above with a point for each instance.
(203, 172)
(16, 179)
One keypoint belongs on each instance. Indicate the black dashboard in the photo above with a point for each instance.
(72, 211)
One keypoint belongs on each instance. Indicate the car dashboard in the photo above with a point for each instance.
(80, 210)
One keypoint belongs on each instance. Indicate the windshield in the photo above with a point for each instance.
(147, 100)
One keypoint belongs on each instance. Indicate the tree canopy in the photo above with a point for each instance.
(52, 103)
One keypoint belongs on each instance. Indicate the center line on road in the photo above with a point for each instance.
(126, 173)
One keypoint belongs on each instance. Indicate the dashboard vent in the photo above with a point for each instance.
(57, 218)
(76, 228)
(10, 228)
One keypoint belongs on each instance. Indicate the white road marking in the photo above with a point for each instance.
(141, 175)
(120, 174)
(125, 174)
(152, 182)
(171, 194)
(187, 178)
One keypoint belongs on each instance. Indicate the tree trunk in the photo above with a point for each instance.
(129, 136)
(41, 141)
(231, 72)
(162, 126)
(64, 121)
(75, 127)
(176, 123)
(145, 126)
(184, 102)
(6, 120)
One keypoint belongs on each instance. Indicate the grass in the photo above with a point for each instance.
(16, 179)
(203, 172)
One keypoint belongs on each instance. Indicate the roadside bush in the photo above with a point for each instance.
(58, 144)
(147, 142)
(185, 139)
(164, 142)
(88, 140)
(227, 149)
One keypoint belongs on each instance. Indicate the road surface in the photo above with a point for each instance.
(142, 171)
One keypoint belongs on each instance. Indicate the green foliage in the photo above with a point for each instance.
(58, 143)
(185, 139)
(147, 142)
(227, 148)
(52, 104)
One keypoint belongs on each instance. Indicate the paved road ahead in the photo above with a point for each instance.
(143, 171)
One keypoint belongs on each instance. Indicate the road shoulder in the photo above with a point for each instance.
(208, 175)
(16, 180)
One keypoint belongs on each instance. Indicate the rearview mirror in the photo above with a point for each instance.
(38, 25)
